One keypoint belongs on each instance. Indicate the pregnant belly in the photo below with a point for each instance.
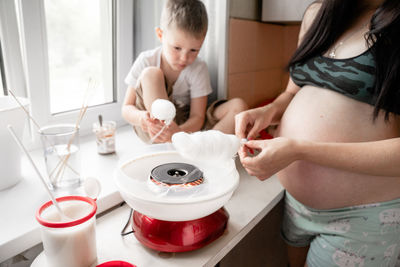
(324, 116)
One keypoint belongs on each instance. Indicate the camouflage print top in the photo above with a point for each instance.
(353, 77)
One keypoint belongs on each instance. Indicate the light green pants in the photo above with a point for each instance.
(366, 235)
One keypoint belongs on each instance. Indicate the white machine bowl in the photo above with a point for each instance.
(175, 203)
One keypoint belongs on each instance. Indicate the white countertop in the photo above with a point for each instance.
(251, 201)
(18, 227)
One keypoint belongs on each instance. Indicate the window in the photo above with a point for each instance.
(64, 47)
(79, 41)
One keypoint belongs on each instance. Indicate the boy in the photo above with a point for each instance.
(174, 72)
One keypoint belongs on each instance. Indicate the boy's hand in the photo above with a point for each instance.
(166, 134)
(145, 121)
(169, 131)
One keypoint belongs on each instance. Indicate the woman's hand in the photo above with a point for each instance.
(250, 122)
(271, 156)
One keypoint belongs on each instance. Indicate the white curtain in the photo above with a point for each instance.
(214, 50)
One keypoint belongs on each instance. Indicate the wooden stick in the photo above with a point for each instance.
(24, 109)
(64, 160)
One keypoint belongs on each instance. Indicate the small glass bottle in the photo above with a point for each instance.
(105, 136)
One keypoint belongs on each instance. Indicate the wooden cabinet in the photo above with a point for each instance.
(257, 57)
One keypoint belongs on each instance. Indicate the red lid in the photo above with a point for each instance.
(116, 264)
(70, 223)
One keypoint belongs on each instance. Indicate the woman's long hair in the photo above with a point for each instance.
(383, 39)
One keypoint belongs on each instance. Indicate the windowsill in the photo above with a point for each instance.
(19, 231)
(18, 227)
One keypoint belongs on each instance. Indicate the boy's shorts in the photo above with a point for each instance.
(365, 235)
(182, 113)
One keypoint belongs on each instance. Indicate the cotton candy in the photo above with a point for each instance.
(211, 146)
(163, 110)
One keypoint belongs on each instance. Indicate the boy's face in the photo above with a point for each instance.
(180, 48)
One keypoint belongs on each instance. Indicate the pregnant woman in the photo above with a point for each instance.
(336, 149)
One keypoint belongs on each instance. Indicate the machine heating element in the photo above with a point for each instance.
(177, 174)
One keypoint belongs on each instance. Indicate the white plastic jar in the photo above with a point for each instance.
(12, 114)
(73, 242)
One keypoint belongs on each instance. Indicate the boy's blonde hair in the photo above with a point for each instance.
(187, 15)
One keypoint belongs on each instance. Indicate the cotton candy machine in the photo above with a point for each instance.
(177, 203)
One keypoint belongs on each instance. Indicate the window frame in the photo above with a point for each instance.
(3, 81)
(35, 65)
(11, 50)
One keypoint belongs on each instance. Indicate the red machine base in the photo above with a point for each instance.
(181, 236)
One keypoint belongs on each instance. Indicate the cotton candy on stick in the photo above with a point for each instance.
(162, 110)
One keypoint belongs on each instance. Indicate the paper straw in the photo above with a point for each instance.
(63, 216)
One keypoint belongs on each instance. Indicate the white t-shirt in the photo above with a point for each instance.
(193, 81)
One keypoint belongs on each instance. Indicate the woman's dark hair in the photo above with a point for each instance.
(383, 39)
